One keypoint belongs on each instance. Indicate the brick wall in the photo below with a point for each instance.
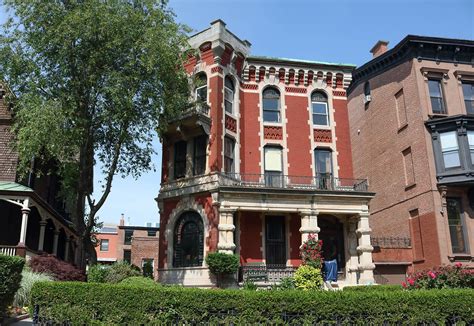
(8, 157)
(145, 247)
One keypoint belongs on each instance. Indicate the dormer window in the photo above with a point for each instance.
(229, 91)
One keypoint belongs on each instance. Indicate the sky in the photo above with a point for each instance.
(335, 31)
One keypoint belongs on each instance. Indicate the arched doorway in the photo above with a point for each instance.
(188, 240)
(332, 235)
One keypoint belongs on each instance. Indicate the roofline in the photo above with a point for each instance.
(243, 42)
(131, 227)
(300, 62)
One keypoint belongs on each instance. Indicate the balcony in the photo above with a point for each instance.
(319, 182)
(195, 116)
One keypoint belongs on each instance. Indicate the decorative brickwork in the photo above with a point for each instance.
(339, 93)
(322, 135)
(230, 124)
(296, 90)
(216, 69)
(249, 86)
(273, 132)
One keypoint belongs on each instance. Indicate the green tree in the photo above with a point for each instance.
(91, 81)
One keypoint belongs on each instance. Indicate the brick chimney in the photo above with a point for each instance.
(379, 48)
(122, 220)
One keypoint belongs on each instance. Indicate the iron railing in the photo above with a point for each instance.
(197, 108)
(391, 242)
(266, 273)
(318, 182)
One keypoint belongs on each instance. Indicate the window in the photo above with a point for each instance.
(229, 95)
(127, 256)
(151, 233)
(273, 166)
(128, 237)
(229, 145)
(367, 89)
(436, 96)
(450, 149)
(188, 246)
(468, 92)
(104, 245)
(271, 105)
(149, 261)
(470, 140)
(456, 228)
(180, 159)
(323, 162)
(199, 155)
(319, 104)
(201, 87)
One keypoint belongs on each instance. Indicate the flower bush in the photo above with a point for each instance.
(311, 252)
(455, 276)
(308, 278)
(58, 269)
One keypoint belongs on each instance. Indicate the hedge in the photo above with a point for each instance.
(371, 288)
(10, 278)
(105, 304)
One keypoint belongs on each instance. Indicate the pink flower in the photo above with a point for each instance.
(411, 281)
(432, 275)
(458, 265)
(404, 285)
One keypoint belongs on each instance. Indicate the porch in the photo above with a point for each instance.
(29, 226)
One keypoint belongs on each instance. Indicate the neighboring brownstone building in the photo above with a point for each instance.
(134, 244)
(411, 113)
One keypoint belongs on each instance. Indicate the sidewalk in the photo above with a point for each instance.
(24, 322)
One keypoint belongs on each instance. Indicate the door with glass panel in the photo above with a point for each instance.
(275, 241)
(273, 167)
(323, 163)
(457, 229)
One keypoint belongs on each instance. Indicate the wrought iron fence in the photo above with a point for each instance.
(318, 182)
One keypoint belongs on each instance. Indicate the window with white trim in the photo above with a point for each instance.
(273, 166)
(468, 93)
(436, 96)
(201, 88)
(229, 91)
(229, 145)
(271, 105)
(319, 105)
(104, 245)
(450, 149)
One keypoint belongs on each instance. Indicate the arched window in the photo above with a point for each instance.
(229, 91)
(201, 87)
(188, 248)
(319, 104)
(271, 105)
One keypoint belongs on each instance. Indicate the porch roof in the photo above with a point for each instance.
(13, 187)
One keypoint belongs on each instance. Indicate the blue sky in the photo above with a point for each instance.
(329, 30)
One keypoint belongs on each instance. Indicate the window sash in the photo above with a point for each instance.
(228, 100)
(201, 93)
(180, 150)
(456, 226)
(104, 245)
(199, 159)
(468, 93)
(323, 161)
(450, 149)
(271, 109)
(229, 145)
(273, 159)
(436, 96)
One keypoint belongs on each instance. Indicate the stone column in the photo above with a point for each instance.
(25, 211)
(309, 224)
(41, 235)
(366, 266)
(353, 266)
(66, 249)
(55, 242)
(226, 231)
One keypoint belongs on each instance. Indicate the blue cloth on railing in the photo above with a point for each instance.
(330, 270)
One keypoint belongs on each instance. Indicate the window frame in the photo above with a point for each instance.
(102, 241)
(184, 219)
(182, 161)
(327, 150)
(471, 83)
(278, 110)
(326, 104)
(231, 159)
(201, 156)
(229, 102)
(127, 237)
(461, 219)
(442, 152)
(273, 177)
(441, 92)
(201, 76)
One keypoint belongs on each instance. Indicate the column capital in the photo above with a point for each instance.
(25, 210)
(308, 212)
(226, 227)
(364, 215)
(226, 210)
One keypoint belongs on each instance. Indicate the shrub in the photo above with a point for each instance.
(373, 288)
(139, 281)
(10, 278)
(308, 278)
(287, 283)
(148, 269)
(120, 271)
(452, 277)
(58, 269)
(311, 252)
(117, 304)
(28, 279)
(250, 286)
(97, 273)
(222, 264)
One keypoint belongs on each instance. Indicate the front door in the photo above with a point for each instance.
(275, 240)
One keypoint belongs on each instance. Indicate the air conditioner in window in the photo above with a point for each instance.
(367, 98)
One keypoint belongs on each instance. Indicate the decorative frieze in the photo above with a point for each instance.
(230, 123)
(216, 69)
(296, 90)
(273, 132)
(339, 93)
(322, 135)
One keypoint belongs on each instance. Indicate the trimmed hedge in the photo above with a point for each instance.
(10, 279)
(372, 288)
(106, 304)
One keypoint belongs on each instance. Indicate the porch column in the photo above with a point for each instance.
(55, 243)
(309, 224)
(25, 211)
(366, 266)
(226, 231)
(41, 235)
(353, 266)
(66, 249)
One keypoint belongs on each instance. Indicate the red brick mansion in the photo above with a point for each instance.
(262, 160)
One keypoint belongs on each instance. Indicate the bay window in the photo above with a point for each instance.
(450, 149)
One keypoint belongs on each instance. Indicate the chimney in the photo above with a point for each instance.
(379, 48)
(122, 220)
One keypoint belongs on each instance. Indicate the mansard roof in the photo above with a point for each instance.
(420, 47)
